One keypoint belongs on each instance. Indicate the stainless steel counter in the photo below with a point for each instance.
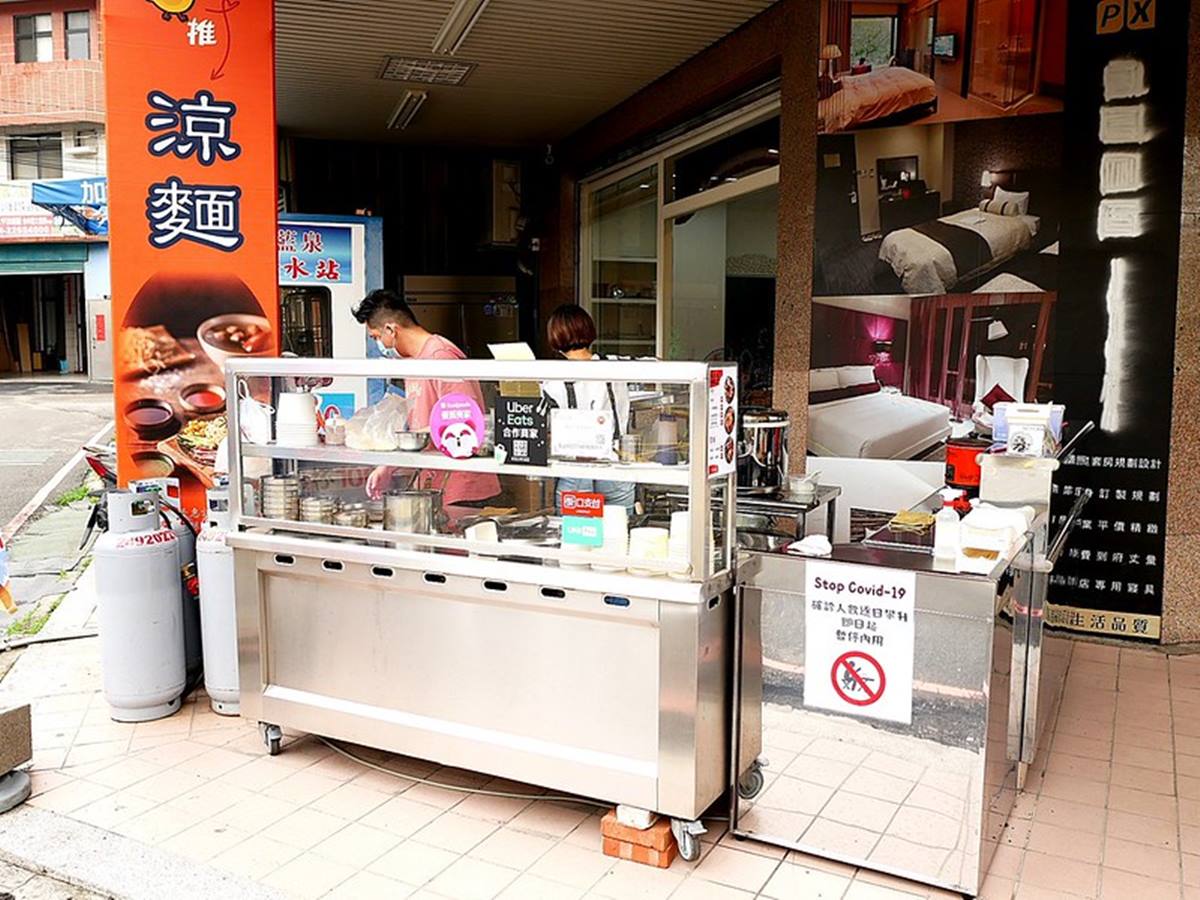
(598, 684)
(924, 800)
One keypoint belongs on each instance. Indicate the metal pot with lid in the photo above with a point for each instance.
(762, 466)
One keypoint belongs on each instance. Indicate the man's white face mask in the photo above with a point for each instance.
(384, 350)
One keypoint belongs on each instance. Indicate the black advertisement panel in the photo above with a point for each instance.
(1123, 139)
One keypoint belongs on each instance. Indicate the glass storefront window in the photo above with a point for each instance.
(654, 249)
(724, 161)
(623, 225)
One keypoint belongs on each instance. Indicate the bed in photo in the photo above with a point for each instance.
(883, 64)
(896, 377)
(938, 209)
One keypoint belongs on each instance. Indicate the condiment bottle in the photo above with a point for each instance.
(946, 527)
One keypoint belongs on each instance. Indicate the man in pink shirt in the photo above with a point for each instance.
(392, 325)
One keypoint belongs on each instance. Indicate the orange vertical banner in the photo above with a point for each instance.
(192, 221)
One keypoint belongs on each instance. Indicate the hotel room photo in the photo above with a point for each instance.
(938, 60)
(896, 377)
(950, 208)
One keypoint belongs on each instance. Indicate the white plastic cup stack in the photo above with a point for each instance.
(649, 545)
(616, 540)
(296, 420)
(677, 546)
(482, 532)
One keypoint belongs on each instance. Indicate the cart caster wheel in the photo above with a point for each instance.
(751, 783)
(687, 836)
(273, 738)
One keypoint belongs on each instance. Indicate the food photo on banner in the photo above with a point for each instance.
(193, 243)
(960, 262)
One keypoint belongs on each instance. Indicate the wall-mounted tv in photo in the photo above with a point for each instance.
(894, 172)
(945, 46)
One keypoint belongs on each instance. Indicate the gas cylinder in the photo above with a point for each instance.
(141, 620)
(218, 612)
(171, 504)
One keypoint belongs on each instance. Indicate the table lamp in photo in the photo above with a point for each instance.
(985, 183)
(826, 87)
(829, 53)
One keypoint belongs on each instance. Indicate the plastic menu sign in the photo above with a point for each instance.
(858, 640)
(722, 419)
(583, 519)
(456, 423)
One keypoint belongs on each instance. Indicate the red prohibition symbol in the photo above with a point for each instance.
(858, 671)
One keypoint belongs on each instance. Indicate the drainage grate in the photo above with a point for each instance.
(426, 71)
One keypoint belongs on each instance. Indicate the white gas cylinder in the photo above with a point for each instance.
(218, 612)
(171, 507)
(141, 620)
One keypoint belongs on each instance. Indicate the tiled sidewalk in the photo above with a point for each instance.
(1113, 809)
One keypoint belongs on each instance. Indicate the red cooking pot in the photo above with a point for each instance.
(962, 463)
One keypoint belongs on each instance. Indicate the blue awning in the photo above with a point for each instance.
(83, 202)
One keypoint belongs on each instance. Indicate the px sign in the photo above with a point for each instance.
(1113, 16)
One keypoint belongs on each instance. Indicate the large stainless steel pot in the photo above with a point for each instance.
(412, 511)
(762, 466)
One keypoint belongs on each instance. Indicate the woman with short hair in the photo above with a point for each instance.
(571, 333)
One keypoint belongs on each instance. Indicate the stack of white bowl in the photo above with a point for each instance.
(296, 420)
(318, 509)
(615, 548)
(281, 497)
(649, 545)
(677, 548)
(484, 531)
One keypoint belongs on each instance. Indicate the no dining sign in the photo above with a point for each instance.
(858, 640)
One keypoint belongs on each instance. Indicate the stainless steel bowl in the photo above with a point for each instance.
(412, 441)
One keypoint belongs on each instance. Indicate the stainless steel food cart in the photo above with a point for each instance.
(511, 659)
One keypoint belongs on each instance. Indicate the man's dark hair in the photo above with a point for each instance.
(384, 306)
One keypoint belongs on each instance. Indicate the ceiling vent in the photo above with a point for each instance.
(445, 72)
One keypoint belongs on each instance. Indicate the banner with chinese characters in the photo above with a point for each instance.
(1123, 136)
(191, 159)
(315, 254)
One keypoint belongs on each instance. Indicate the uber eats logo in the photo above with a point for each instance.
(1113, 16)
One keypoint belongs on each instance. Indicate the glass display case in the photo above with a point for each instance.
(494, 473)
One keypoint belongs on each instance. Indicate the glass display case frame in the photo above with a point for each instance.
(711, 534)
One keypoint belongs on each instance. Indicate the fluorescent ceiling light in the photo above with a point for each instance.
(406, 110)
(463, 16)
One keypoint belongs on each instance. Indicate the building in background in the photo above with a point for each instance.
(54, 280)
